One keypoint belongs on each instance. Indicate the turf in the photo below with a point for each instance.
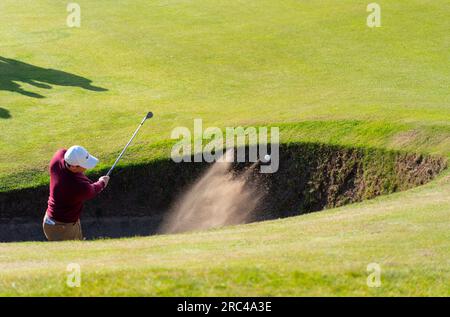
(316, 66)
(312, 68)
(323, 253)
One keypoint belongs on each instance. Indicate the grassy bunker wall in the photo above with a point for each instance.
(311, 177)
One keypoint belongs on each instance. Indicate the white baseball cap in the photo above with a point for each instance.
(79, 156)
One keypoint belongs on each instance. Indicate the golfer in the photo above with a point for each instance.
(69, 188)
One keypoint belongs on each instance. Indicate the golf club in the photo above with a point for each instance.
(148, 116)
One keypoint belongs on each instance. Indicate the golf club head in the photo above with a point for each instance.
(148, 116)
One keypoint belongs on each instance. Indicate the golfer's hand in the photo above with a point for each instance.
(105, 179)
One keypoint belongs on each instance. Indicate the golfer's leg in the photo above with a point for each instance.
(45, 230)
(72, 231)
(63, 231)
(54, 232)
(78, 231)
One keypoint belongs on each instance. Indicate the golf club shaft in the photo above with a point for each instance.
(126, 146)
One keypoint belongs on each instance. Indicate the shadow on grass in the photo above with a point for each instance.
(4, 113)
(13, 71)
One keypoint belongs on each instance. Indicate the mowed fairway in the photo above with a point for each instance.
(324, 254)
(313, 68)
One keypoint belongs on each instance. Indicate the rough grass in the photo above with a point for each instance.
(324, 253)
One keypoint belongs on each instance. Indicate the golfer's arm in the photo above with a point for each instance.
(92, 190)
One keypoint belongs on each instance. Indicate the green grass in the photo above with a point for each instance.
(313, 68)
(323, 253)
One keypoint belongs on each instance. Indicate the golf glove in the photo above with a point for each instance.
(105, 179)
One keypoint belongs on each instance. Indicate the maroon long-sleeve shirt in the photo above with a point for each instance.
(68, 190)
